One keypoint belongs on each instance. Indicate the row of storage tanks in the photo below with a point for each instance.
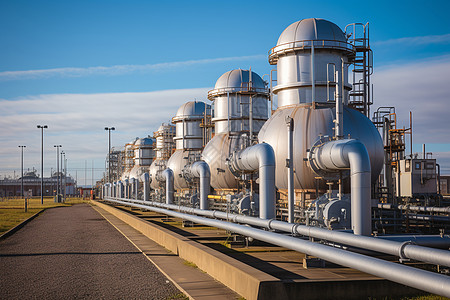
(241, 118)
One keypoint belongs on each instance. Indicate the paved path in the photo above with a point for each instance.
(74, 253)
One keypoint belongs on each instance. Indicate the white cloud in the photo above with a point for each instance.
(420, 87)
(77, 122)
(114, 70)
(416, 40)
(423, 88)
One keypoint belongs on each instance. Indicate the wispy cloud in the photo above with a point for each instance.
(416, 40)
(115, 70)
(420, 87)
(77, 122)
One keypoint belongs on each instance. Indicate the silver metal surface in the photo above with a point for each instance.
(143, 157)
(167, 176)
(189, 134)
(145, 178)
(164, 146)
(403, 246)
(417, 278)
(201, 169)
(178, 161)
(259, 157)
(303, 54)
(129, 159)
(309, 125)
(344, 154)
(240, 102)
(216, 152)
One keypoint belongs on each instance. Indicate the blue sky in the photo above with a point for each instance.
(79, 66)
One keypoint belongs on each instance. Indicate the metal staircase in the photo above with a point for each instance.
(360, 95)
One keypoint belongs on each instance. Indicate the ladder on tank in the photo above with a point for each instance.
(360, 95)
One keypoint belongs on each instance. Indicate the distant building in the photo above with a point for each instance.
(444, 184)
(32, 185)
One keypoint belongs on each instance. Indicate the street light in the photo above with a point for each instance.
(109, 151)
(63, 179)
(42, 127)
(22, 167)
(57, 170)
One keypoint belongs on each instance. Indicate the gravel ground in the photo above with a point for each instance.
(73, 253)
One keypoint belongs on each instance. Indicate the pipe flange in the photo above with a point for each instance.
(268, 224)
(401, 253)
(294, 230)
(312, 160)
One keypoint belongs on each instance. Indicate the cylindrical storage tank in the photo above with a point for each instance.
(189, 134)
(164, 147)
(310, 124)
(306, 55)
(143, 157)
(188, 139)
(239, 95)
(129, 161)
(219, 148)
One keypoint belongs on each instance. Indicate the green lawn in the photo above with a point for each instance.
(12, 211)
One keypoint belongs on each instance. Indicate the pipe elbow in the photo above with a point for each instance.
(201, 168)
(266, 155)
(167, 175)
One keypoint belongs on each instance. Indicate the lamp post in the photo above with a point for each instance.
(109, 151)
(63, 180)
(42, 127)
(21, 162)
(57, 170)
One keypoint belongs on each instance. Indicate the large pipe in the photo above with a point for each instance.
(146, 180)
(342, 154)
(290, 165)
(167, 176)
(415, 208)
(417, 278)
(126, 189)
(260, 157)
(201, 169)
(400, 246)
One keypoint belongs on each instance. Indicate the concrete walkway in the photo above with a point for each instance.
(74, 253)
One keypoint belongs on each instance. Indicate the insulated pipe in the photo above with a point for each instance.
(201, 169)
(415, 208)
(126, 186)
(400, 246)
(132, 188)
(120, 188)
(260, 157)
(136, 188)
(146, 180)
(428, 281)
(167, 176)
(342, 154)
(290, 166)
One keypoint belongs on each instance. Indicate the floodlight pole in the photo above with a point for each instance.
(22, 167)
(42, 127)
(109, 151)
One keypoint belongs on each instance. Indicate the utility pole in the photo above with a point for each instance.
(109, 151)
(42, 127)
(22, 168)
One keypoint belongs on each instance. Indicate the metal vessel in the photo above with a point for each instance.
(128, 159)
(164, 147)
(143, 157)
(312, 57)
(189, 139)
(240, 109)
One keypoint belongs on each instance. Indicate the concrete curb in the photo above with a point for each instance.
(243, 279)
